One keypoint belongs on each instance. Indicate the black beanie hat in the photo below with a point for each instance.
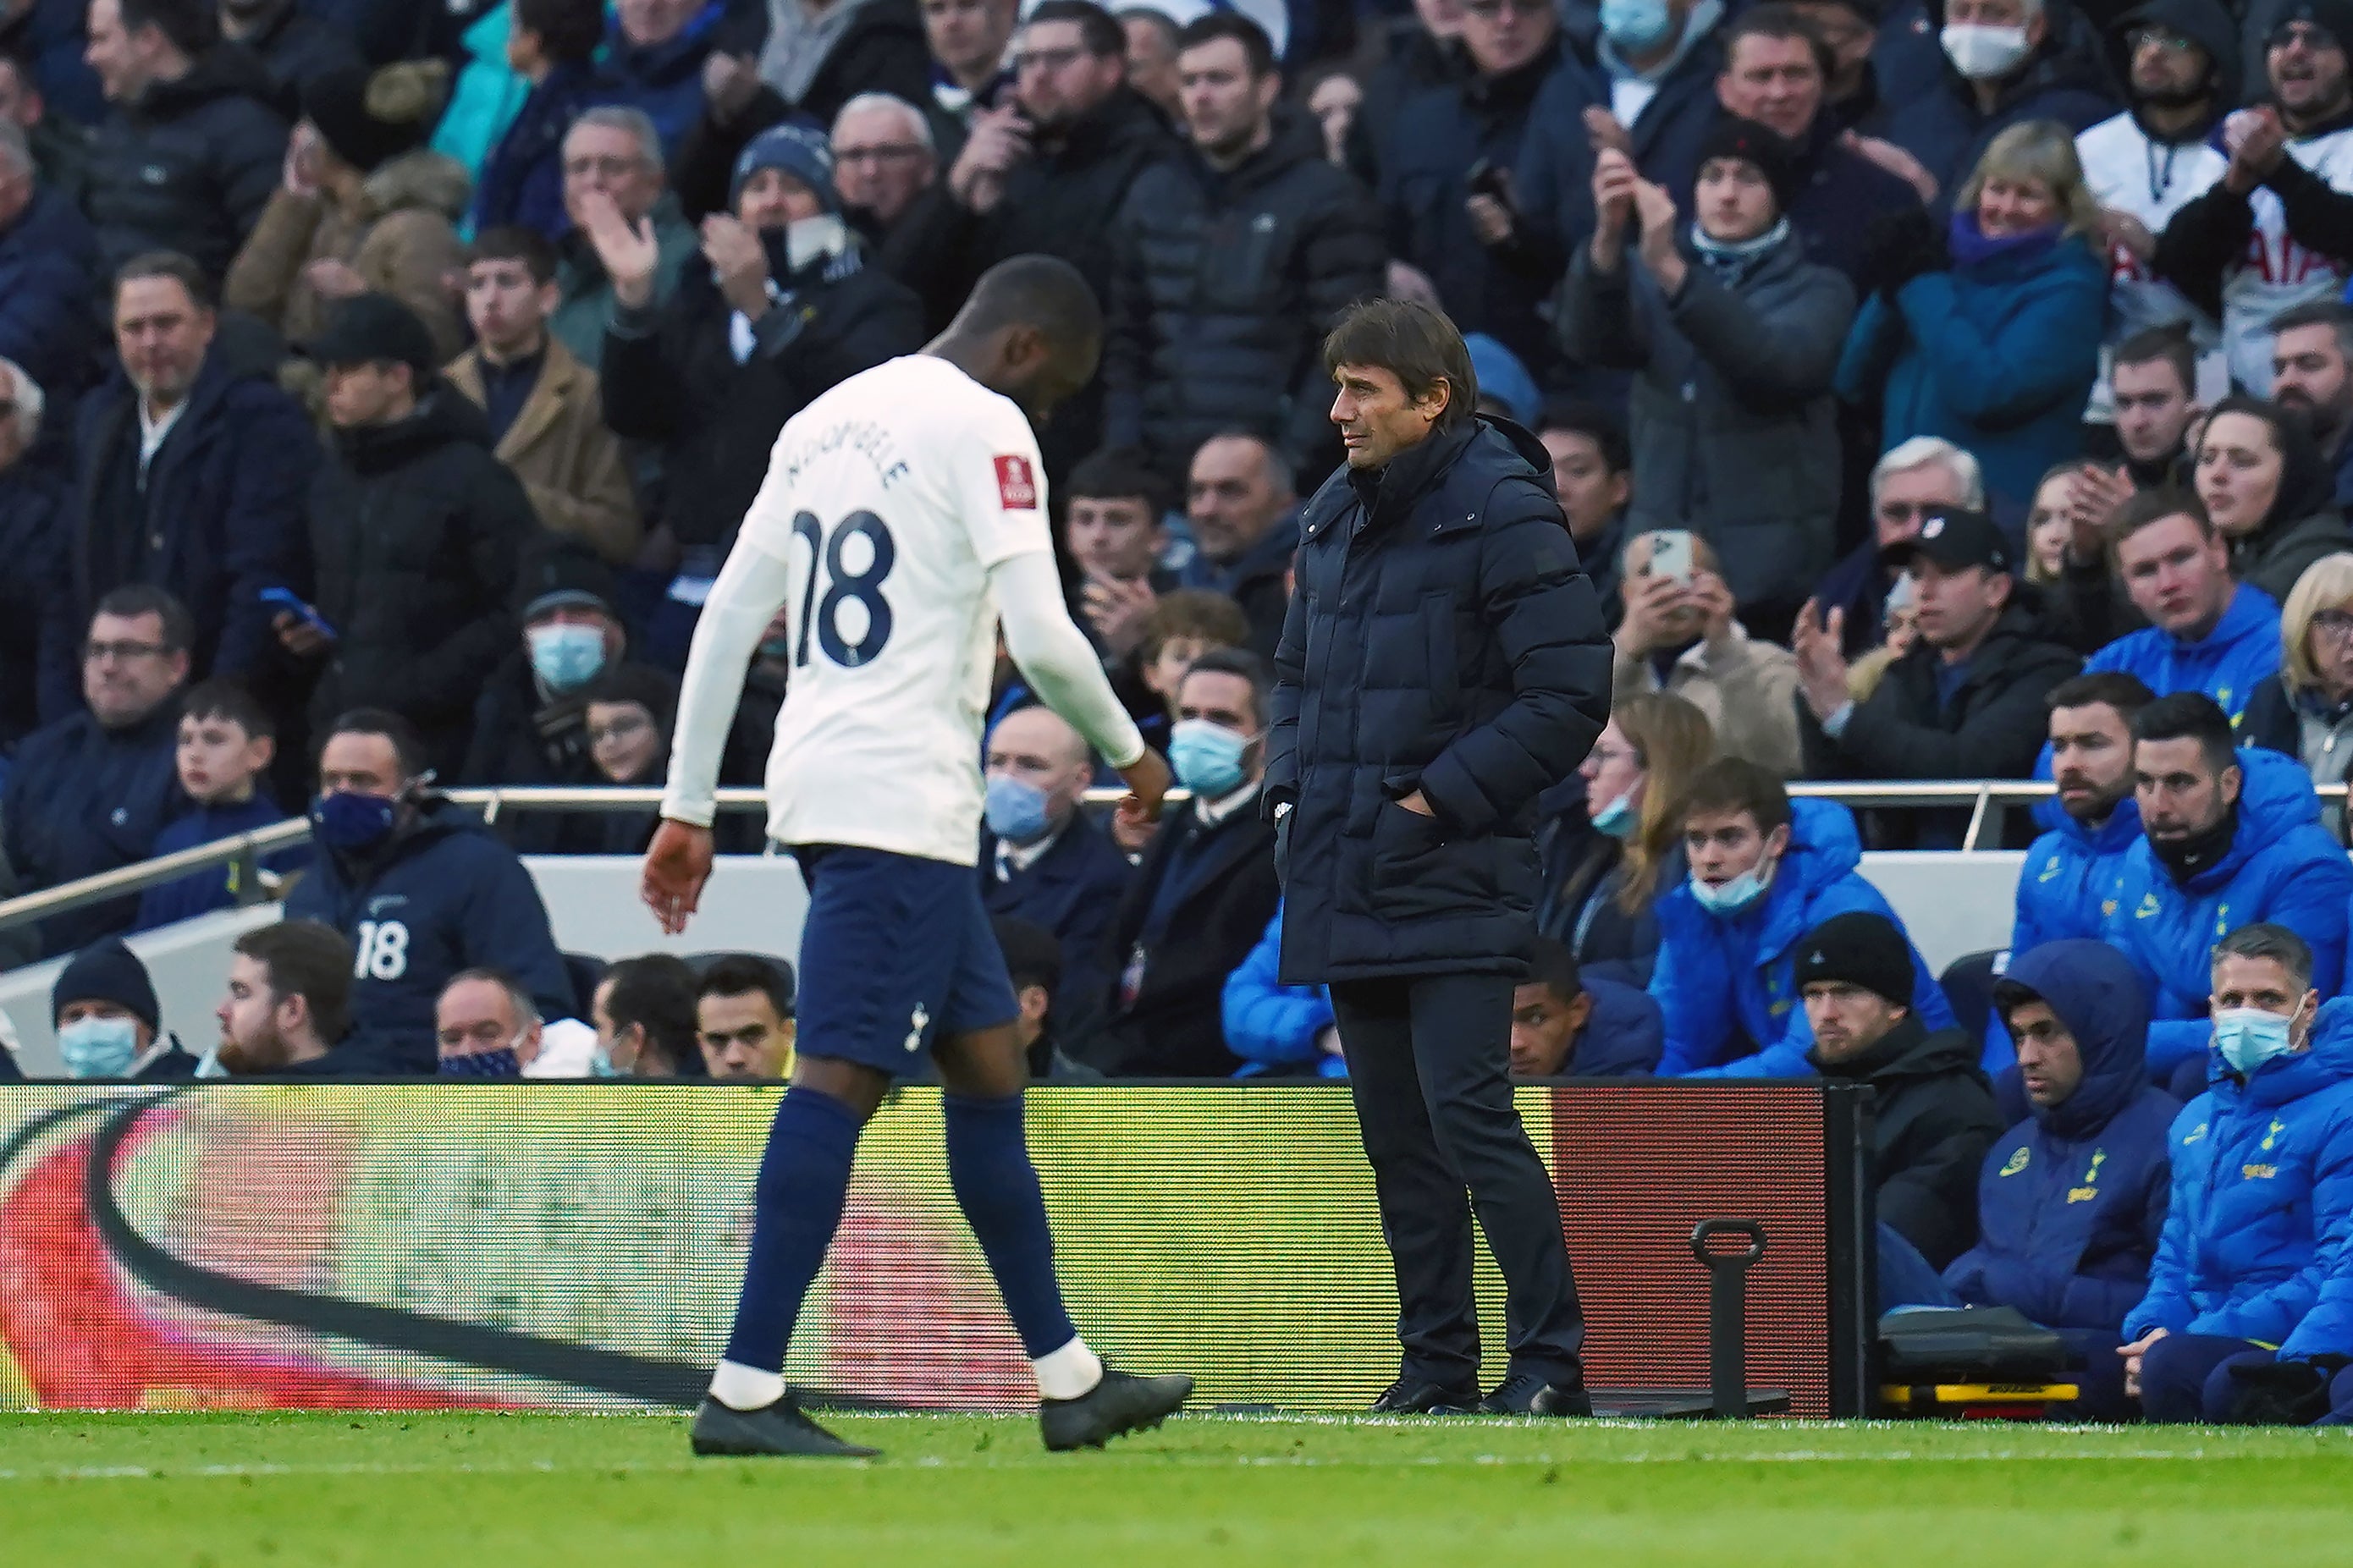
(1750, 142)
(1859, 948)
(108, 972)
(367, 118)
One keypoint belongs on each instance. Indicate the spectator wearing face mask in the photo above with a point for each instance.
(2271, 498)
(421, 890)
(2207, 633)
(1043, 858)
(2007, 62)
(2228, 835)
(1206, 890)
(1732, 424)
(108, 1021)
(1609, 856)
(486, 1026)
(643, 1013)
(1765, 870)
(2247, 1272)
(1680, 637)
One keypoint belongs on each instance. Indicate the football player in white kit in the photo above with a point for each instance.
(904, 516)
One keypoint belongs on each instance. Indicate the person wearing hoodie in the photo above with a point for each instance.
(2071, 1201)
(2261, 1191)
(2179, 62)
(415, 528)
(1765, 870)
(420, 888)
(364, 206)
(2207, 633)
(1933, 1112)
(781, 307)
(2007, 63)
(1735, 335)
(2229, 837)
(2271, 496)
(188, 158)
(1989, 335)
(2066, 886)
(1232, 261)
(2276, 229)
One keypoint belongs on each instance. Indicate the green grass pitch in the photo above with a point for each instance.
(441, 1491)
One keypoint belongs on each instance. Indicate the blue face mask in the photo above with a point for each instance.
(99, 1047)
(1207, 758)
(1618, 819)
(351, 822)
(1016, 809)
(1636, 25)
(600, 1063)
(566, 656)
(2249, 1037)
(501, 1063)
(1735, 896)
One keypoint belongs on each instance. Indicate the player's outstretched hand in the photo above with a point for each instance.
(678, 862)
(1147, 785)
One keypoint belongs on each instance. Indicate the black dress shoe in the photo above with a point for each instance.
(780, 1429)
(1419, 1397)
(1529, 1393)
(1120, 1404)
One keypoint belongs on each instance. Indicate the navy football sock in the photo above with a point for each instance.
(996, 1187)
(804, 1180)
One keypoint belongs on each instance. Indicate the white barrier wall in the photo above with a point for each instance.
(1952, 903)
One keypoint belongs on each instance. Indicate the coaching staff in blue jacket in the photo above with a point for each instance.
(1443, 663)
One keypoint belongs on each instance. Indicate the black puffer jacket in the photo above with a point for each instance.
(1441, 639)
(1225, 285)
(671, 375)
(190, 167)
(1933, 1119)
(415, 528)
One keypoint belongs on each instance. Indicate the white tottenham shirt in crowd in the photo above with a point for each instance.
(904, 512)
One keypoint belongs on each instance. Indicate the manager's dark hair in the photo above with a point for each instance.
(2189, 716)
(1413, 341)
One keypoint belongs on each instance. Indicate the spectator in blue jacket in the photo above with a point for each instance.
(654, 59)
(552, 45)
(2207, 633)
(2071, 1202)
(1044, 860)
(1278, 1030)
(1988, 334)
(2263, 1191)
(2230, 837)
(49, 273)
(2007, 62)
(420, 888)
(89, 793)
(1567, 1024)
(227, 741)
(2067, 888)
(1765, 870)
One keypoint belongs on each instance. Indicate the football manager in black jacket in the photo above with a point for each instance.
(1443, 663)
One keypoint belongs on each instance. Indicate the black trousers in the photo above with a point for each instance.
(1429, 1063)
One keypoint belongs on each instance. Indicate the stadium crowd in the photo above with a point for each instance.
(1931, 392)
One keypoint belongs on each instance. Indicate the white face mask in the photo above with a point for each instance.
(1982, 53)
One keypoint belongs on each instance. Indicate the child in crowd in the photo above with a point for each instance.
(226, 743)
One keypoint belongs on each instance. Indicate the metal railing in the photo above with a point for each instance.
(1988, 800)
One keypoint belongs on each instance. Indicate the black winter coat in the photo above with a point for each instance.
(670, 377)
(1933, 1119)
(222, 520)
(33, 510)
(415, 528)
(1225, 285)
(292, 48)
(190, 167)
(82, 799)
(1442, 639)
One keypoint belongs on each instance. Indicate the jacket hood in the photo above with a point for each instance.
(424, 180)
(2203, 22)
(1824, 844)
(225, 70)
(1909, 1050)
(442, 419)
(2097, 994)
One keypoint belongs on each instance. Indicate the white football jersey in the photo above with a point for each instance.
(889, 499)
(2127, 172)
(2277, 272)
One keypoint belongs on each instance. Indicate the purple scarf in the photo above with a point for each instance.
(1971, 248)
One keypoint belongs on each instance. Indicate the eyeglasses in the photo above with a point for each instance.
(2336, 624)
(888, 152)
(1907, 511)
(95, 651)
(1605, 755)
(2172, 43)
(1046, 59)
(610, 168)
(2290, 34)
